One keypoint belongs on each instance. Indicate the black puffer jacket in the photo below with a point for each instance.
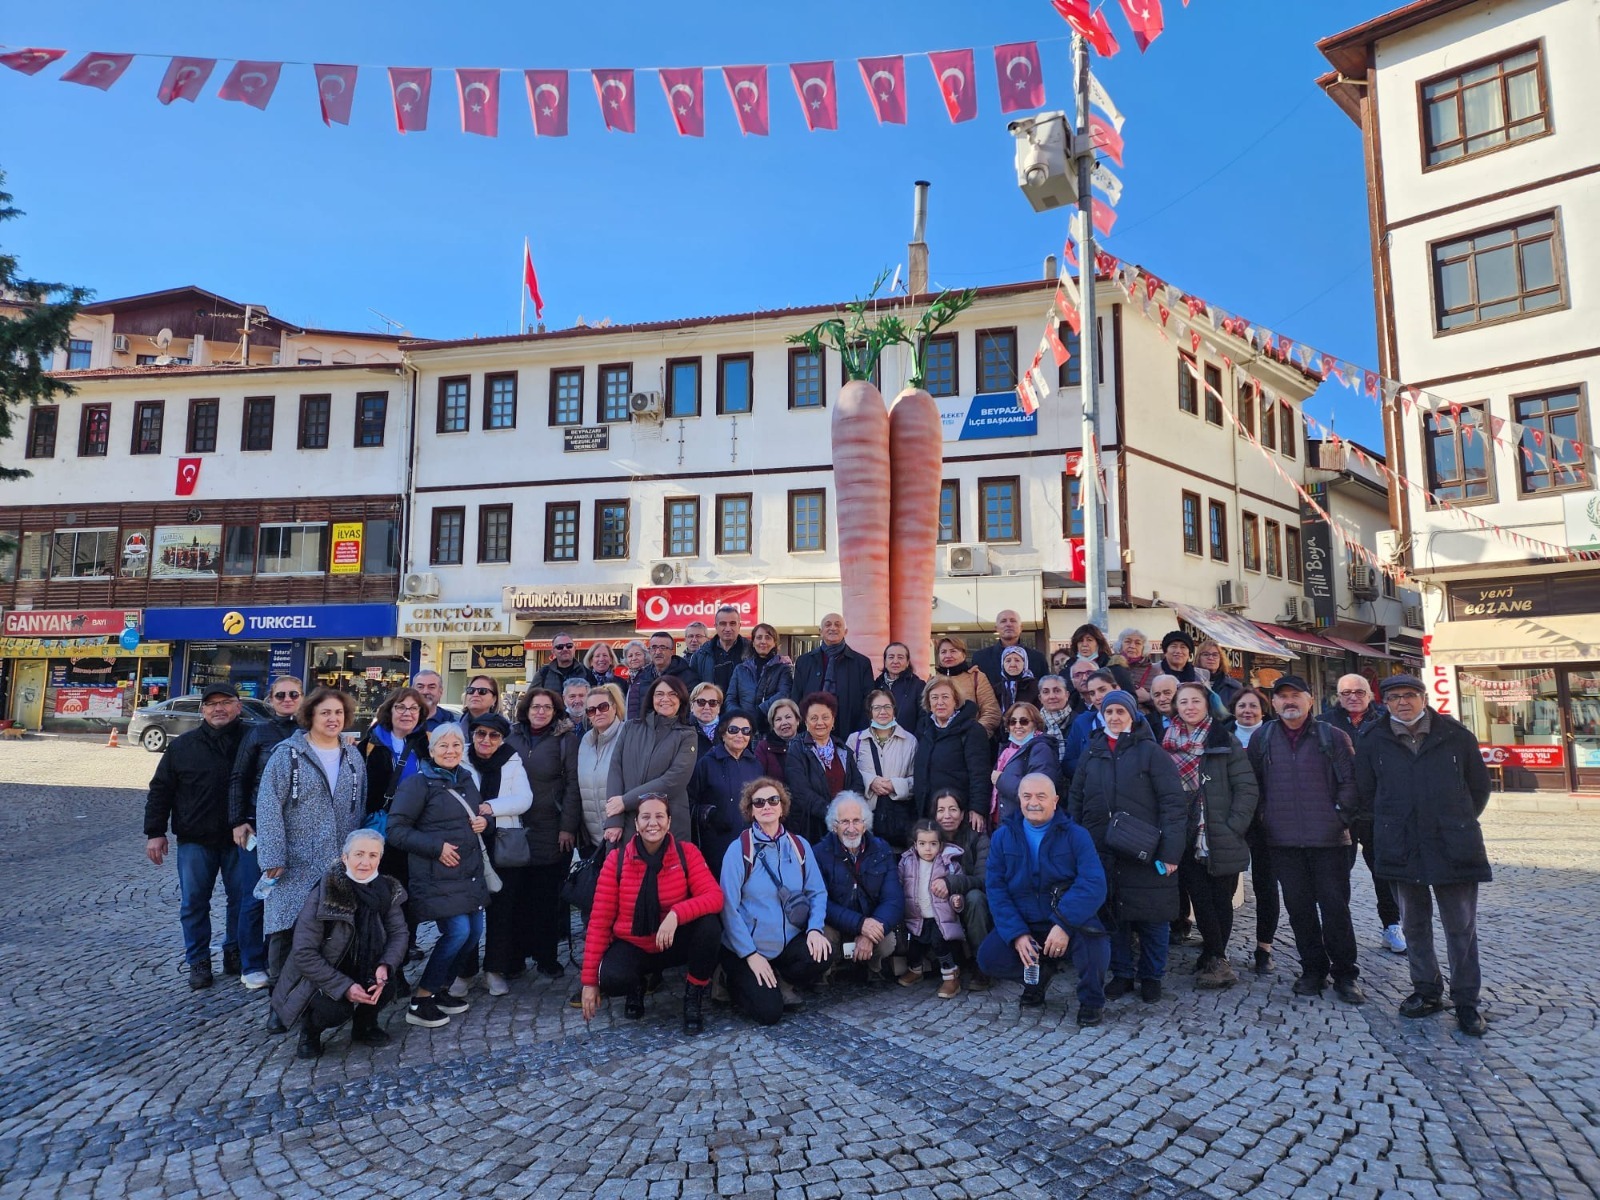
(809, 792)
(1037, 757)
(381, 783)
(550, 758)
(1140, 779)
(955, 757)
(423, 816)
(190, 786)
(1231, 794)
(1425, 806)
(255, 748)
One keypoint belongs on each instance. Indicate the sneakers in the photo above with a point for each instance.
(1218, 973)
(230, 960)
(1091, 1016)
(425, 1011)
(1471, 1021)
(1149, 990)
(911, 978)
(1264, 963)
(450, 1004)
(254, 980)
(461, 987)
(200, 976)
(1309, 985)
(1349, 991)
(1418, 1005)
(1393, 939)
(1119, 987)
(496, 984)
(951, 987)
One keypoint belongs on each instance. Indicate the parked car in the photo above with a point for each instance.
(157, 724)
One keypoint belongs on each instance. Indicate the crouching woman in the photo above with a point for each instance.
(349, 942)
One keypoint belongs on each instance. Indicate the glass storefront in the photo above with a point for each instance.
(1516, 715)
(84, 695)
(248, 666)
(347, 667)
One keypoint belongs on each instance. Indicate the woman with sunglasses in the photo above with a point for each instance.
(393, 747)
(1026, 751)
(543, 739)
(718, 782)
(504, 797)
(602, 712)
(705, 706)
(480, 696)
(774, 905)
(654, 753)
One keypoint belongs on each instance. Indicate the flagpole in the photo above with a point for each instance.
(522, 290)
(1094, 566)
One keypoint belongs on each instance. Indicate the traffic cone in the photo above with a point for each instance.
(111, 743)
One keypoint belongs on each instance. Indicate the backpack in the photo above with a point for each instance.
(747, 847)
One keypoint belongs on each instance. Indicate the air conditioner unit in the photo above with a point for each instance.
(119, 342)
(1363, 582)
(967, 560)
(1297, 610)
(1232, 594)
(1389, 545)
(663, 573)
(645, 406)
(1411, 617)
(424, 585)
(382, 647)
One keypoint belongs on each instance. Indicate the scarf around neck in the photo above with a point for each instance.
(1186, 745)
(647, 904)
(366, 948)
(489, 770)
(823, 751)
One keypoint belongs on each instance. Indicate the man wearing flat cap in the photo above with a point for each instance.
(1421, 777)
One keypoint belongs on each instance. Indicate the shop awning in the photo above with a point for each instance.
(1302, 640)
(1514, 641)
(1233, 632)
(1358, 648)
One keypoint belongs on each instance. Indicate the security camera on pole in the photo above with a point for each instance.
(1055, 161)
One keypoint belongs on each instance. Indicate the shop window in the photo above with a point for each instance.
(950, 511)
(999, 509)
(380, 552)
(683, 387)
(997, 360)
(808, 520)
(372, 414)
(292, 550)
(805, 379)
(348, 668)
(84, 554)
(616, 385)
(259, 412)
(448, 537)
(34, 560)
(43, 420)
(94, 431)
(148, 417)
(239, 550)
(566, 396)
(494, 533)
(500, 400)
(1506, 706)
(1292, 561)
(610, 529)
(941, 365)
(561, 532)
(1553, 429)
(733, 524)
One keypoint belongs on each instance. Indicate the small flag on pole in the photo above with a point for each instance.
(530, 280)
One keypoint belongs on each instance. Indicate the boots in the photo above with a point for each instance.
(364, 1027)
(950, 987)
(310, 1038)
(694, 995)
(633, 1007)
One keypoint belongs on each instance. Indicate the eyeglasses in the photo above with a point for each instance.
(765, 801)
(550, 708)
(488, 733)
(406, 708)
(1016, 721)
(738, 730)
(563, 646)
(215, 703)
(1352, 692)
(480, 691)
(707, 702)
(602, 706)
(286, 695)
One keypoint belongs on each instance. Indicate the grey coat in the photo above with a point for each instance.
(653, 754)
(300, 825)
(322, 936)
(595, 751)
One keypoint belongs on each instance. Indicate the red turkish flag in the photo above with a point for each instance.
(1105, 137)
(1058, 348)
(1080, 560)
(886, 85)
(336, 88)
(955, 74)
(251, 83)
(819, 96)
(1021, 82)
(686, 89)
(1104, 217)
(98, 70)
(530, 280)
(547, 101)
(478, 89)
(748, 87)
(1091, 24)
(615, 91)
(184, 79)
(411, 87)
(1145, 19)
(30, 61)
(188, 476)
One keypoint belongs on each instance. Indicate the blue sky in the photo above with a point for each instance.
(1243, 183)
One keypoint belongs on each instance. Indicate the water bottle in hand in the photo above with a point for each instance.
(1030, 973)
(264, 885)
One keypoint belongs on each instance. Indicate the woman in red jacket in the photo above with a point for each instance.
(658, 907)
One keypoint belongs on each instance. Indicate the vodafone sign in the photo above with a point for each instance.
(675, 607)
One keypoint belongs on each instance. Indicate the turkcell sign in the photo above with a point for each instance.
(258, 623)
(988, 415)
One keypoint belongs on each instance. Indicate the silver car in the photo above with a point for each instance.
(154, 725)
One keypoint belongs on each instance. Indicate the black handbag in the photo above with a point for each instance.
(511, 847)
(584, 876)
(1132, 838)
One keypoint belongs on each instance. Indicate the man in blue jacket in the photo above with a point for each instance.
(865, 901)
(1045, 886)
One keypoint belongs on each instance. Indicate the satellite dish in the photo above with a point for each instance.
(163, 360)
(163, 339)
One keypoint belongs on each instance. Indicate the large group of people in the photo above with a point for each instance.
(772, 825)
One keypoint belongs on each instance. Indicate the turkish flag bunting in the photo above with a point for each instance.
(1104, 216)
(478, 89)
(615, 90)
(1091, 25)
(1106, 138)
(184, 79)
(188, 476)
(1069, 251)
(98, 70)
(1021, 82)
(251, 83)
(411, 87)
(336, 88)
(748, 87)
(30, 61)
(547, 101)
(685, 88)
(886, 85)
(954, 72)
(1145, 19)
(1058, 348)
(819, 96)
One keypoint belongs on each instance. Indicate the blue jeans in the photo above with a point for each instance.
(458, 942)
(1152, 949)
(199, 864)
(998, 959)
(252, 941)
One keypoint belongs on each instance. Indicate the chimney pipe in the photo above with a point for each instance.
(918, 250)
(1050, 268)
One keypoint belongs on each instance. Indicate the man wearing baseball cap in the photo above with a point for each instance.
(190, 788)
(1308, 801)
(1421, 777)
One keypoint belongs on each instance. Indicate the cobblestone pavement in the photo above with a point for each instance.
(115, 1080)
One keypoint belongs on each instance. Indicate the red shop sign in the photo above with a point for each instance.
(54, 623)
(674, 607)
(1534, 758)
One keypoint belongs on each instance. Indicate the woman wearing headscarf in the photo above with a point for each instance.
(505, 797)
(761, 678)
(544, 741)
(971, 684)
(1017, 684)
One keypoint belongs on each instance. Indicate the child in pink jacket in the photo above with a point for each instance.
(933, 920)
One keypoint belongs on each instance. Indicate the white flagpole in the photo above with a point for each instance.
(522, 289)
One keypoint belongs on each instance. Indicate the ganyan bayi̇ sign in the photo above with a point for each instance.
(92, 622)
(451, 620)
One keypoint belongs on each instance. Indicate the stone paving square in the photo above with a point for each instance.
(116, 1080)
